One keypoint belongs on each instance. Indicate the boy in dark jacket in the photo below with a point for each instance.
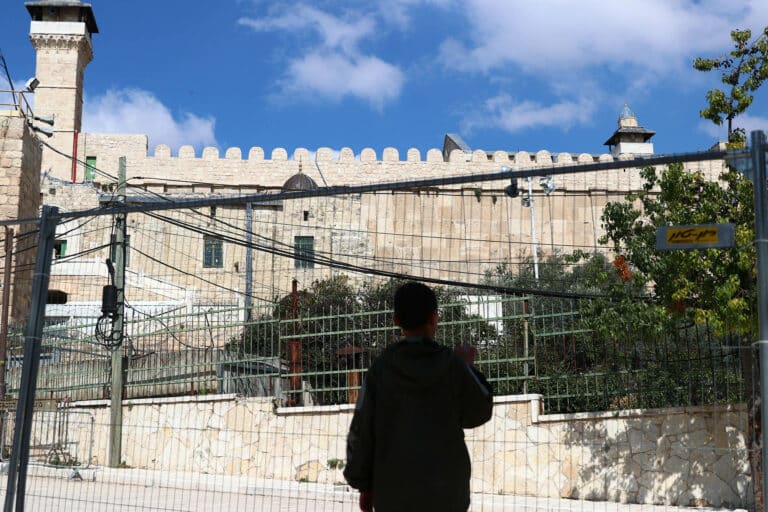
(405, 449)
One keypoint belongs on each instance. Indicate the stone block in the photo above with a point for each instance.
(186, 152)
(233, 154)
(309, 471)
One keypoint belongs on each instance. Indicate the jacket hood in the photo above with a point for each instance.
(418, 362)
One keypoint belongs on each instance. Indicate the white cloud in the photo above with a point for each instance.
(511, 115)
(751, 123)
(556, 36)
(334, 76)
(746, 121)
(140, 111)
(630, 46)
(335, 32)
(333, 66)
(397, 12)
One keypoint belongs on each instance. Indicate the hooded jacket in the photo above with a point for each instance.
(406, 440)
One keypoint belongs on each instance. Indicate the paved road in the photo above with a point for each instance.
(133, 490)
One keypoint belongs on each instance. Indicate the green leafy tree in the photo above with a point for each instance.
(342, 327)
(743, 71)
(595, 339)
(714, 286)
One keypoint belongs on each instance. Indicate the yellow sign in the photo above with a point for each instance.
(701, 236)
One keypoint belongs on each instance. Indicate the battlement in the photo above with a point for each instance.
(389, 155)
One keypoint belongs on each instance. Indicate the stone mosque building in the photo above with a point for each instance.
(456, 232)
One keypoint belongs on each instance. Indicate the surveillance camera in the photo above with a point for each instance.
(547, 184)
(32, 84)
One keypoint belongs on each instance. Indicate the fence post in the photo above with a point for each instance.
(118, 361)
(248, 261)
(17, 467)
(526, 343)
(757, 155)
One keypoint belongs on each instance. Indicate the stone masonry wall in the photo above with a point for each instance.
(685, 456)
(20, 157)
(461, 231)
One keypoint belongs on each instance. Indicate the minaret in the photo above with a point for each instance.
(61, 34)
(630, 137)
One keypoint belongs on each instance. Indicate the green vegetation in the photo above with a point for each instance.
(744, 70)
(342, 327)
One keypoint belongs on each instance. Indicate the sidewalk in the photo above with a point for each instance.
(100, 489)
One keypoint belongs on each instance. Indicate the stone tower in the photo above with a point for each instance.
(61, 34)
(630, 137)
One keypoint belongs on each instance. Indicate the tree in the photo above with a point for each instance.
(598, 343)
(342, 327)
(744, 70)
(715, 288)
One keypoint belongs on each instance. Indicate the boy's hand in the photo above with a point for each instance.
(466, 353)
(366, 501)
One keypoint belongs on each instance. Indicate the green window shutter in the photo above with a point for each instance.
(90, 168)
(213, 252)
(59, 249)
(304, 247)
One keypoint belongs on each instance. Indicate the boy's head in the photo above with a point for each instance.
(415, 307)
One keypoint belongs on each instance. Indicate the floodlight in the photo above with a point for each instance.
(32, 84)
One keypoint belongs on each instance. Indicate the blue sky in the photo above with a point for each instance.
(509, 75)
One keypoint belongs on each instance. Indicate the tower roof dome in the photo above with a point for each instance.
(626, 113)
(299, 181)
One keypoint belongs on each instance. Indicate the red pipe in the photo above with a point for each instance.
(294, 349)
(74, 157)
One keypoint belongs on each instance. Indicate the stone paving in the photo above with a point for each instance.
(105, 489)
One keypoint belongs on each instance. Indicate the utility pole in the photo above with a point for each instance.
(757, 155)
(118, 351)
(6, 307)
(533, 231)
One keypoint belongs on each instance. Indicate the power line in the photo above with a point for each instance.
(384, 273)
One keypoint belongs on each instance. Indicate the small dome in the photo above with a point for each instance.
(627, 118)
(626, 113)
(299, 181)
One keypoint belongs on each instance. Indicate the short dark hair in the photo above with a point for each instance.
(414, 304)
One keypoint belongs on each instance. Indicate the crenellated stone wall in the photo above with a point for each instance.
(253, 169)
(695, 456)
(462, 225)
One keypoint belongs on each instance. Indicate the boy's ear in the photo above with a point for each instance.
(395, 320)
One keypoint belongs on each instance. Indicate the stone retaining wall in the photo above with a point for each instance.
(683, 456)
